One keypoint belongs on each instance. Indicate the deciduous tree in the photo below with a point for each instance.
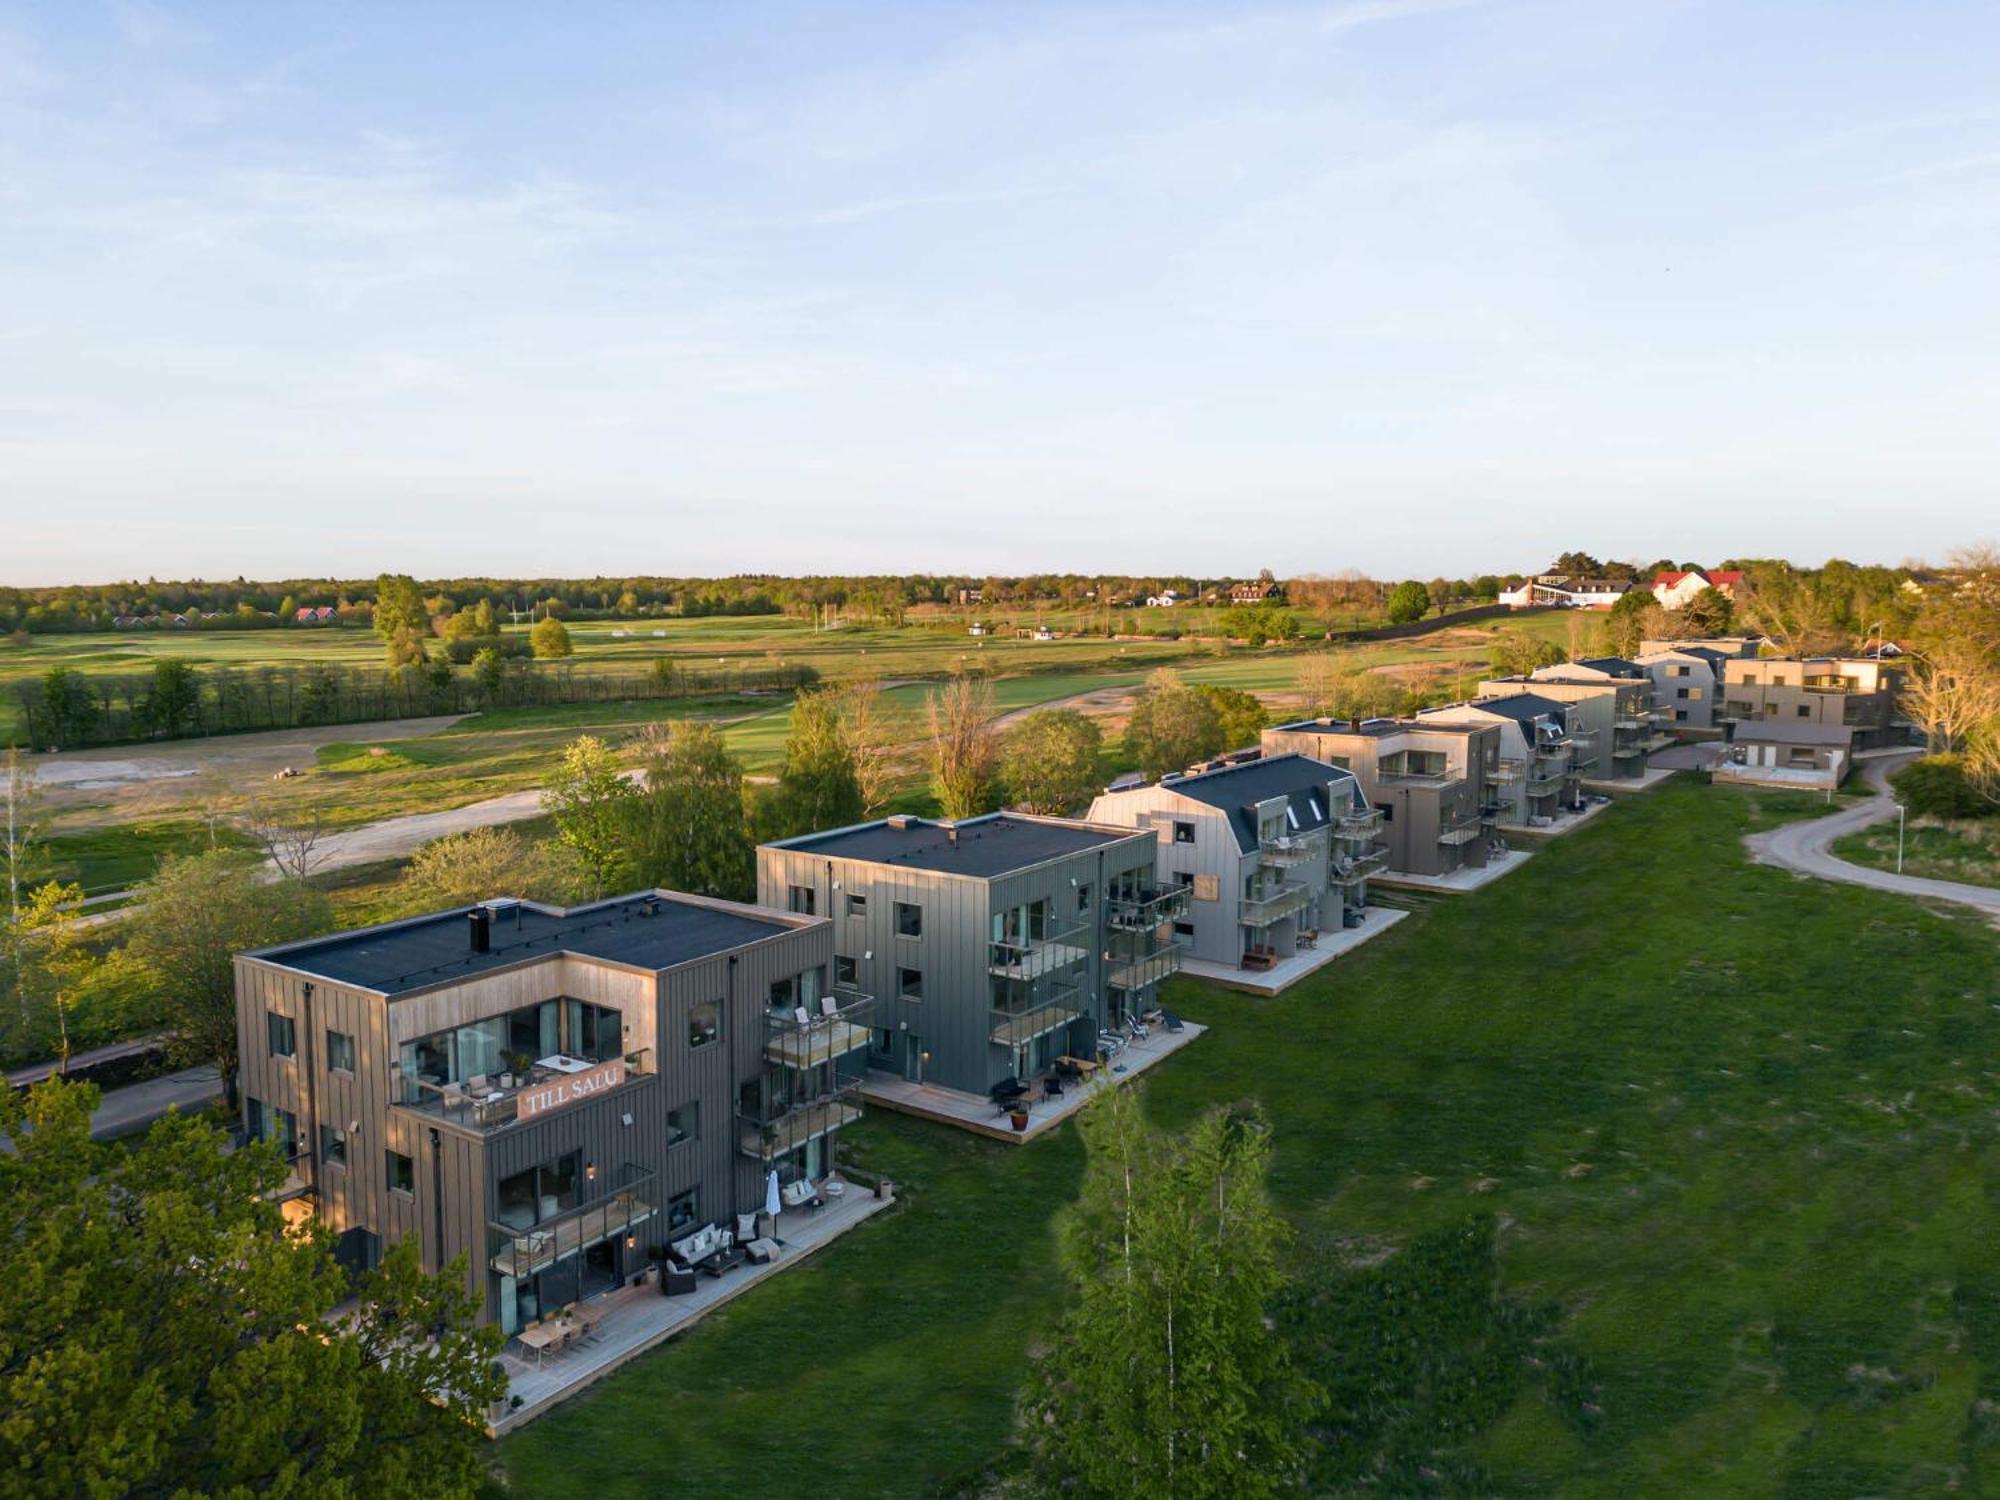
(878, 730)
(1408, 601)
(965, 753)
(818, 785)
(550, 639)
(688, 827)
(1242, 715)
(1051, 760)
(1164, 1379)
(590, 798)
(199, 911)
(1172, 725)
(463, 869)
(402, 619)
(1517, 653)
(166, 1336)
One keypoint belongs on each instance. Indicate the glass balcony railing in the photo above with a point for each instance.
(1359, 824)
(1351, 872)
(807, 1036)
(1462, 829)
(1012, 1027)
(1038, 955)
(800, 1121)
(1273, 905)
(1145, 909)
(491, 1101)
(521, 1251)
(1289, 851)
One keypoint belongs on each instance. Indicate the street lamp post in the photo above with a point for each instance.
(1900, 811)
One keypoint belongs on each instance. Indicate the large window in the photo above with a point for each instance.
(282, 1034)
(541, 1192)
(510, 1043)
(684, 1124)
(704, 1022)
(269, 1123)
(340, 1051)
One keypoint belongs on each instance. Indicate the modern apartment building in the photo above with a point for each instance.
(1687, 682)
(548, 1092)
(1540, 778)
(1803, 754)
(993, 945)
(1436, 787)
(1613, 729)
(1268, 850)
(1723, 645)
(1859, 693)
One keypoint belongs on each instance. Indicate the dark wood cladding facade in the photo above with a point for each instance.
(953, 1022)
(458, 1167)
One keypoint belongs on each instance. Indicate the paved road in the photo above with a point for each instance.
(123, 1111)
(1805, 847)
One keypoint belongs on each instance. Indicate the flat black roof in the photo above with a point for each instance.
(433, 950)
(1374, 728)
(985, 847)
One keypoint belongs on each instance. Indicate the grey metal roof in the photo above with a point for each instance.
(432, 950)
(1612, 666)
(986, 847)
(1238, 789)
(1522, 707)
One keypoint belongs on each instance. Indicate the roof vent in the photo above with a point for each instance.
(951, 835)
(481, 921)
(901, 822)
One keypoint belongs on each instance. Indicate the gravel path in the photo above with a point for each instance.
(1806, 848)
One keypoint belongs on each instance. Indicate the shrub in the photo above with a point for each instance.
(1936, 787)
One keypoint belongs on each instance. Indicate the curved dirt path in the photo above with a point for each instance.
(1806, 848)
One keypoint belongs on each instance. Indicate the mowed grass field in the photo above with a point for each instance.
(1741, 1129)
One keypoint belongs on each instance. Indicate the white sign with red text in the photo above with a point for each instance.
(574, 1088)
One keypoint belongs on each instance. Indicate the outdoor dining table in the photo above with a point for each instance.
(541, 1337)
(1082, 1066)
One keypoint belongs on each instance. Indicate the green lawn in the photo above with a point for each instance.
(1745, 1142)
(110, 859)
(1967, 852)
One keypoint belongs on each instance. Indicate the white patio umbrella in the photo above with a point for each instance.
(772, 1203)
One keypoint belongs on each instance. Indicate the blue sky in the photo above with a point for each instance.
(1411, 287)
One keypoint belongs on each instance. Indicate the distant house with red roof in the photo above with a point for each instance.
(1678, 588)
(316, 614)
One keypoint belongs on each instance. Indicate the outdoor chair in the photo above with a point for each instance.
(829, 1007)
(802, 1015)
(1052, 1086)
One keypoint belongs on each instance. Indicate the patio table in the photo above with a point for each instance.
(540, 1337)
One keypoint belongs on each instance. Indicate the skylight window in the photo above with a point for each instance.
(1291, 817)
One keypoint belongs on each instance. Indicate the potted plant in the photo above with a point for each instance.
(1019, 1115)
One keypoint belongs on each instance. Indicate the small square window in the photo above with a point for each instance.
(1183, 833)
(332, 1146)
(340, 1051)
(803, 899)
(846, 970)
(885, 1042)
(910, 983)
(704, 1022)
(857, 904)
(402, 1173)
(1184, 929)
(684, 1124)
(909, 920)
(283, 1037)
(1805, 710)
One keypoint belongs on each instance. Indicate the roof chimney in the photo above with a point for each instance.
(951, 835)
(481, 923)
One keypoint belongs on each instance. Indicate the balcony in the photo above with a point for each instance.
(1351, 872)
(1017, 1027)
(806, 1121)
(1396, 770)
(1288, 853)
(1506, 771)
(1038, 956)
(491, 1102)
(1273, 905)
(1359, 825)
(838, 1027)
(1543, 782)
(296, 1184)
(1460, 830)
(1143, 957)
(1147, 909)
(516, 1251)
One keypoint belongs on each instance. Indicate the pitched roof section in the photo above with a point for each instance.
(647, 931)
(1522, 707)
(985, 847)
(1237, 790)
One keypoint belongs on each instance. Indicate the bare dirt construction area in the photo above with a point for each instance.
(120, 783)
